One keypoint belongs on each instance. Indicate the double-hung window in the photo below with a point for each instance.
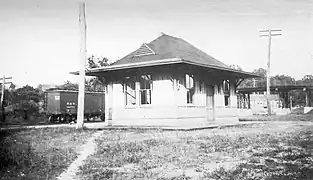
(145, 89)
(190, 87)
(130, 91)
(226, 92)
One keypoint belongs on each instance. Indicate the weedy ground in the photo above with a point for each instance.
(39, 153)
(270, 150)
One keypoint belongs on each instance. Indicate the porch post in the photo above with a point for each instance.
(232, 94)
(109, 103)
(249, 102)
(306, 99)
(244, 101)
(215, 100)
(138, 95)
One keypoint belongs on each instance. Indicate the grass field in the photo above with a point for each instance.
(271, 150)
(288, 117)
(39, 153)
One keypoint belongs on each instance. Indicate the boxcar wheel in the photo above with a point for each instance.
(102, 117)
(59, 118)
(50, 119)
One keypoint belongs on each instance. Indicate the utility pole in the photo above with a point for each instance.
(2, 114)
(269, 34)
(81, 89)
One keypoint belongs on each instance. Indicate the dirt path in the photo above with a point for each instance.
(87, 149)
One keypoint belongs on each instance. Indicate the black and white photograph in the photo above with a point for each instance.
(156, 90)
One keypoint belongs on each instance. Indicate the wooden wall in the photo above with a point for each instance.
(169, 102)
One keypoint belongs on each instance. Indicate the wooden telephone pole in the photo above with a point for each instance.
(81, 89)
(2, 112)
(269, 34)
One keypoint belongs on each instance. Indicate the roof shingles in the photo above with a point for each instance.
(166, 47)
(168, 50)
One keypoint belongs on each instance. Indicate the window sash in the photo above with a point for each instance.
(227, 101)
(190, 87)
(189, 81)
(190, 96)
(145, 96)
(138, 87)
(130, 93)
(145, 82)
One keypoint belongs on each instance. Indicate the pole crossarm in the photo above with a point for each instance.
(272, 30)
(5, 78)
(271, 35)
(6, 83)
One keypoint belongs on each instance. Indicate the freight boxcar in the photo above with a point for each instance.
(61, 105)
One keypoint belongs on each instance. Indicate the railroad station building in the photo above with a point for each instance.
(170, 82)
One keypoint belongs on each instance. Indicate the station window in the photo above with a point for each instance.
(226, 93)
(130, 91)
(190, 86)
(145, 89)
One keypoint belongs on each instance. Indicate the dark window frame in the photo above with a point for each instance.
(145, 89)
(131, 92)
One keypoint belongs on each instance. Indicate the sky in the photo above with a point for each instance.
(39, 39)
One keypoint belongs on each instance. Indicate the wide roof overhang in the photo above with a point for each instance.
(106, 69)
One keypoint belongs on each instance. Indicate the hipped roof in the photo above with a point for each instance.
(167, 50)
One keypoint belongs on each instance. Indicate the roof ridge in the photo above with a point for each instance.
(163, 34)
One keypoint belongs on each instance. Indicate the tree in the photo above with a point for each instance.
(12, 86)
(255, 82)
(307, 80)
(103, 61)
(68, 85)
(96, 83)
(91, 62)
(40, 87)
(236, 67)
(27, 93)
(282, 80)
(96, 62)
(25, 99)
